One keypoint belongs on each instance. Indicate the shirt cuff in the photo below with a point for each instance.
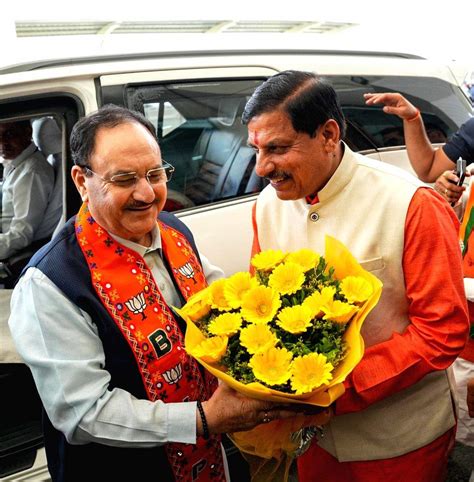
(182, 422)
(469, 288)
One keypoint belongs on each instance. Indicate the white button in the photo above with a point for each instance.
(314, 217)
(162, 286)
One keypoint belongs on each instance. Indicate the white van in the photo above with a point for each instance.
(195, 100)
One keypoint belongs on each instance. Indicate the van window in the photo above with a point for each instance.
(200, 133)
(172, 119)
(443, 109)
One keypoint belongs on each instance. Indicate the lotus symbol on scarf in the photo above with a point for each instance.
(173, 375)
(188, 271)
(137, 304)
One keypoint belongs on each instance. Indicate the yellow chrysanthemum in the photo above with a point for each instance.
(339, 311)
(237, 285)
(306, 258)
(328, 293)
(198, 305)
(318, 299)
(356, 289)
(272, 366)
(266, 260)
(210, 350)
(287, 278)
(257, 338)
(295, 319)
(218, 299)
(260, 304)
(227, 324)
(309, 372)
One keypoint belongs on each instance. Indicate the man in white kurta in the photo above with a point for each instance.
(396, 419)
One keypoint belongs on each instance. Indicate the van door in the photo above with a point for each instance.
(33, 197)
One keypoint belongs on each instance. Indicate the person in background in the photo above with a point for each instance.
(392, 136)
(28, 181)
(92, 317)
(395, 420)
(437, 165)
(435, 133)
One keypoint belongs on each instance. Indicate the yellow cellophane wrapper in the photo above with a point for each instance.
(273, 441)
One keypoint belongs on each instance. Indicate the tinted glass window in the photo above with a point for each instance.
(200, 133)
(443, 109)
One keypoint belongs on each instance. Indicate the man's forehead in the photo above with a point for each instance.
(253, 138)
(270, 125)
(269, 138)
(125, 153)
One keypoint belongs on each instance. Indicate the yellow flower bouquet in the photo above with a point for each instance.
(290, 333)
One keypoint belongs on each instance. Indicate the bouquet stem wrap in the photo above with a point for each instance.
(270, 448)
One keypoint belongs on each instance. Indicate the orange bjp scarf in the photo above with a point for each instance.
(128, 291)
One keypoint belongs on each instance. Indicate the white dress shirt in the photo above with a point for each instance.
(60, 344)
(26, 190)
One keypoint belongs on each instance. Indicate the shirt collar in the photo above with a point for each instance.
(341, 177)
(142, 250)
(23, 155)
(314, 198)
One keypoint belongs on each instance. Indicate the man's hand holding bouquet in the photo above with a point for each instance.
(289, 334)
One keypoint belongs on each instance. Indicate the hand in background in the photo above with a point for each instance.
(446, 186)
(394, 103)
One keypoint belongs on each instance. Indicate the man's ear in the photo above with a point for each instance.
(331, 134)
(79, 177)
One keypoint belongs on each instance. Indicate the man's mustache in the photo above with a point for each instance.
(139, 204)
(276, 175)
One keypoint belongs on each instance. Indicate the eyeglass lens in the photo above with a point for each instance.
(154, 176)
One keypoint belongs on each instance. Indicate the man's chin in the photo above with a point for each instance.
(137, 232)
(142, 221)
(286, 195)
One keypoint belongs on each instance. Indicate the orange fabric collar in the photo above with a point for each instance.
(312, 199)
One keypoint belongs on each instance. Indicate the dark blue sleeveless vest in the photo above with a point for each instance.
(63, 263)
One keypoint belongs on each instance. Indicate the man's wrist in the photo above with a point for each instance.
(198, 423)
(414, 117)
(202, 427)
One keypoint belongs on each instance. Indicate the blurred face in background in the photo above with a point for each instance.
(15, 137)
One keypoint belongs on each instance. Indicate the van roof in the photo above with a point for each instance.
(108, 58)
(33, 53)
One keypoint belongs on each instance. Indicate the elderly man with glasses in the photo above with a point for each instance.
(92, 318)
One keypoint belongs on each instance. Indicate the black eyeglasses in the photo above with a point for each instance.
(128, 179)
